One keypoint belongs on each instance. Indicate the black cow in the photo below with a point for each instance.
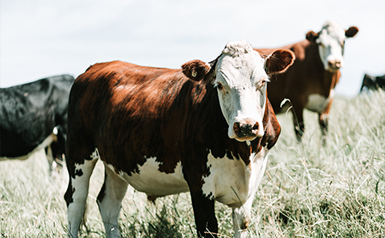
(34, 116)
(373, 82)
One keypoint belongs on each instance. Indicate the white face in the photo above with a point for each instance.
(331, 41)
(241, 84)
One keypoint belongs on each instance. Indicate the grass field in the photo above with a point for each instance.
(309, 190)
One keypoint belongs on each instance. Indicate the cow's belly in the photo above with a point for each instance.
(155, 183)
(317, 103)
(231, 181)
(47, 141)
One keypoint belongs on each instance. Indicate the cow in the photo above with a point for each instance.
(33, 116)
(309, 83)
(373, 82)
(204, 128)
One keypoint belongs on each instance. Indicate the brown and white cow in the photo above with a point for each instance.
(206, 129)
(309, 83)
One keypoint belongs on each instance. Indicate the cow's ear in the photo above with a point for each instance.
(195, 70)
(352, 31)
(311, 36)
(279, 61)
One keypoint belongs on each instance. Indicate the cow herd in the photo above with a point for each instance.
(205, 128)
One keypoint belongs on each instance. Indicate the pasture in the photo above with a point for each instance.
(309, 190)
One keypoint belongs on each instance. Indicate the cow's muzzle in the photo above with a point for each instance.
(334, 65)
(246, 129)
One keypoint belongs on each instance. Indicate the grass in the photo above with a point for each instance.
(309, 190)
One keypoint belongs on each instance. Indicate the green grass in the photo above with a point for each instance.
(309, 190)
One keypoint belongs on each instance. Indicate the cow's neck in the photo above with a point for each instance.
(327, 80)
(330, 79)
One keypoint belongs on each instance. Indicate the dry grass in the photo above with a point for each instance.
(336, 190)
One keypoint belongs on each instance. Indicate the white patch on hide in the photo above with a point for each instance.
(315, 102)
(95, 154)
(231, 181)
(153, 182)
(80, 184)
(318, 103)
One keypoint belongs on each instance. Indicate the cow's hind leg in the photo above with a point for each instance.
(77, 191)
(110, 200)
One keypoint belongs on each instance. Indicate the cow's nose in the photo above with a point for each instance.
(246, 129)
(335, 64)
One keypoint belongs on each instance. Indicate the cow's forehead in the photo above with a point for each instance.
(240, 64)
(332, 31)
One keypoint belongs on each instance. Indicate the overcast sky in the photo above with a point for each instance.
(41, 38)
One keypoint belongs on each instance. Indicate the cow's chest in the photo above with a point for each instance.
(317, 102)
(231, 181)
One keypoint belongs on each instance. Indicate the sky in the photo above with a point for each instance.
(40, 38)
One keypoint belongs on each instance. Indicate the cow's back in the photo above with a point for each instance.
(151, 101)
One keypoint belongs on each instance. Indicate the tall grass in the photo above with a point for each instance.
(309, 189)
(335, 190)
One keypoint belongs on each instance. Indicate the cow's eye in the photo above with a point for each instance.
(219, 86)
(261, 83)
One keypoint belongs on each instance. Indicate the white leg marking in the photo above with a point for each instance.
(111, 200)
(242, 218)
(80, 185)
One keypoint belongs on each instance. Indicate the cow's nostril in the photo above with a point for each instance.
(246, 129)
(237, 128)
(256, 126)
(335, 64)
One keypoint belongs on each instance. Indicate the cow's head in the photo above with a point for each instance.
(240, 76)
(331, 43)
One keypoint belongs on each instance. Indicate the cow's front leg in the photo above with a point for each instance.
(242, 218)
(323, 120)
(204, 213)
